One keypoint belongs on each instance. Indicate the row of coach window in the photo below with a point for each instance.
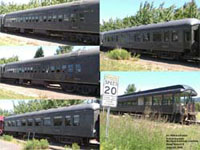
(46, 69)
(157, 100)
(46, 121)
(156, 37)
(73, 17)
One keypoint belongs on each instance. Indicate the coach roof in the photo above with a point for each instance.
(93, 106)
(93, 51)
(58, 6)
(174, 23)
(163, 90)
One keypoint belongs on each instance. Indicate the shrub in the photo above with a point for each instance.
(119, 54)
(75, 146)
(7, 137)
(67, 147)
(36, 144)
(44, 144)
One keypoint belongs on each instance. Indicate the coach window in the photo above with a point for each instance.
(57, 121)
(54, 18)
(148, 100)
(157, 37)
(9, 123)
(73, 18)
(137, 37)
(43, 69)
(140, 100)
(52, 68)
(13, 123)
(36, 18)
(18, 123)
(60, 18)
(68, 121)
(82, 18)
(23, 122)
(78, 68)
(26, 19)
(166, 36)
(47, 121)
(22, 70)
(70, 68)
(30, 122)
(116, 38)
(157, 100)
(33, 19)
(135, 102)
(38, 122)
(146, 37)
(187, 36)
(58, 69)
(64, 67)
(44, 18)
(29, 18)
(66, 17)
(76, 121)
(174, 36)
(165, 100)
(40, 19)
(49, 18)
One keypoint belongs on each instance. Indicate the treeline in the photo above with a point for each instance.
(148, 14)
(9, 60)
(36, 105)
(11, 7)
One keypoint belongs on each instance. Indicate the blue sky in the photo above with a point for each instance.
(28, 52)
(150, 80)
(123, 8)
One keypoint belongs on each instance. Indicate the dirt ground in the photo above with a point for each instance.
(168, 65)
(41, 92)
(24, 40)
(4, 145)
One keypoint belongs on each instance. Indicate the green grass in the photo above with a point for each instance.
(198, 116)
(126, 133)
(107, 64)
(4, 94)
(7, 137)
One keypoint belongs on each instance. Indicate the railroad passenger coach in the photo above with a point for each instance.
(78, 123)
(75, 72)
(1, 124)
(76, 21)
(174, 102)
(179, 39)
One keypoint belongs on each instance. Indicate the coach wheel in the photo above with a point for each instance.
(85, 90)
(69, 88)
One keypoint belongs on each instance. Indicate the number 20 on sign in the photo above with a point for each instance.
(110, 91)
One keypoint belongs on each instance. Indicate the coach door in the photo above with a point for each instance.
(196, 36)
(199, 40)
(74, 18)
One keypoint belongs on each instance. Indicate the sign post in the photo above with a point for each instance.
(110, 93)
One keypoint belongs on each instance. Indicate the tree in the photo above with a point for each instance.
(36, 105)
(64, 49)
(130, 89)
(9, 60)
(148, 14)
(39, 53)
(5, 112)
